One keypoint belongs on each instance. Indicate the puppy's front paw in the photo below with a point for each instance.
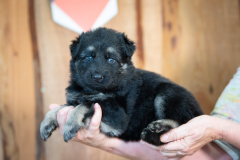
(75, 122)
(154, 130)
(48, 125)
(70, 130)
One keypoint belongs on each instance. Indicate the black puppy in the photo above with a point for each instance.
(136, 104)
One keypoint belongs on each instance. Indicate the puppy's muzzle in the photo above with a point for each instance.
(97, 78)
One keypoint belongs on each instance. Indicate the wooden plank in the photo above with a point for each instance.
(201, 46)
(17, 97)
(152, 34)
(145, 30)
(125, 21)
(53, 42)
(37, 77)
(139, 43)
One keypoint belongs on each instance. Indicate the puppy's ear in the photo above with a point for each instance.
(128, 46)
(74, 47)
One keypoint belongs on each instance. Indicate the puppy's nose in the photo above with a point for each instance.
(97, 77)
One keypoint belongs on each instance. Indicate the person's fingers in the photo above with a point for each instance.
(175, 134)
(62, 117)
(96, 119)
(52, 106)
(149, 145)
(69, 114)
(173, 146)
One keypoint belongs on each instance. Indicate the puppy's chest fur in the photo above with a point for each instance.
(97, 97)
(126, 98)
(126, 95)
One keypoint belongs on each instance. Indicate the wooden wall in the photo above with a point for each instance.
(17, 93)
(201, 48)
(195, 43)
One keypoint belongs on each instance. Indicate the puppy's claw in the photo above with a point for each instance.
(144, 133)
(67, 136)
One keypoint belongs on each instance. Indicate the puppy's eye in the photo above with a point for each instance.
(110, 60)
(89, 58)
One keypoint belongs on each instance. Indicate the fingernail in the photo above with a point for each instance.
(63, 111)
(96, 105)
(71, 107)
(164, 138)
(52, 106)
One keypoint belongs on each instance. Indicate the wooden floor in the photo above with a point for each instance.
(195, 43)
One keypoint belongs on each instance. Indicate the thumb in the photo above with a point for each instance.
(96, 119)
(175, 134)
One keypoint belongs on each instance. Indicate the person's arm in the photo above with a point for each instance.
(92, 137)
(132, 150)
(230, 131)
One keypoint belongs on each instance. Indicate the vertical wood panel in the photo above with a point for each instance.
(125, 21)
(201, 46)
(152, 34)
(53, 42)
(17, 97)
(139, 42)
(54, 53)
(37, 77)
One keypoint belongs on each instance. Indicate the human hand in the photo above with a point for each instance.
(92, 136)
(188, 138)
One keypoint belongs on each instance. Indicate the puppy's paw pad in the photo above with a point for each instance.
(163, 125)
(47, 127)
(155, 127)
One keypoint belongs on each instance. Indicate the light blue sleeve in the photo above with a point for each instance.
(228, 107)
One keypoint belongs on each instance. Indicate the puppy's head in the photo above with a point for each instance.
(101, 59)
